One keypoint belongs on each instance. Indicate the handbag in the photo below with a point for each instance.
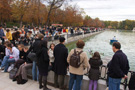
(10, 67)
(32, 56)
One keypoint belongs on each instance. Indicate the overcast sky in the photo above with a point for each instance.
(115, 10)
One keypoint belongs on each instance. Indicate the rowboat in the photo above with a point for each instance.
(112, 41)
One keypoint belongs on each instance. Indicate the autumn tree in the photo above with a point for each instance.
(53, 5)
(5, 10)
(36, 13)
(19, 8)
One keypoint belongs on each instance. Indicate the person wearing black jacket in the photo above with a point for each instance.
(118, 67)
(34, 48)
(60, 62)
(24, 67)
(2, 51)
(22, 56)
(43, 64)
(94, 73)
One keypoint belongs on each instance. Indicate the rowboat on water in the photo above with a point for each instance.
(112, 41)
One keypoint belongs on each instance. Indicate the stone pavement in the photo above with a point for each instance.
(7, 84)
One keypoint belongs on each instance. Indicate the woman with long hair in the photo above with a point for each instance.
(51, 56)
(43, 64)
(94, 73)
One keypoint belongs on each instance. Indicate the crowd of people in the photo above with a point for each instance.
(57, 59)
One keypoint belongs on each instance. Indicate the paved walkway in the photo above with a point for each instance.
(7, 84)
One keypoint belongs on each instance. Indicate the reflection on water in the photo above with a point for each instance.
(101, 43)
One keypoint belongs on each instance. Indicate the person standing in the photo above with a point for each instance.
(60, 63)
(43, 64)
(34, 48)
(76, 73)
(2, 34)
(5, 26)
(118, 67)
(94, 73)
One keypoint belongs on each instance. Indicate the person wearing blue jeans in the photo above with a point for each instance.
(34, 48)
(35, 72)
(114, 84)
(75, 80)
(74, 86)
(8, 61)
(118, 67)
(4, 61)
(76, 74)
(11, 58)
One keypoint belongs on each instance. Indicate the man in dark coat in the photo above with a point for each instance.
(117, 68)
(60, 63)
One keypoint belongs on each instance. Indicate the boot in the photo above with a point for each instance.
(45, 83)
(40, 82)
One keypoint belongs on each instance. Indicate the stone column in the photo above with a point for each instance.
(66, 39)
(83, 33)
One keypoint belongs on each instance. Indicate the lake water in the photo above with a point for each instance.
(101, 43)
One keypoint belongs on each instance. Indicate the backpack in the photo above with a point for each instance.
(12, 73)
(131, 84)
(75, 59)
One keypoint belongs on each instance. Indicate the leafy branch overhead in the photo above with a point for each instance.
(44, 12)
(53, 4)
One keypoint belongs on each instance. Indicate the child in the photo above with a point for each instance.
(94, 73)
(51, 56)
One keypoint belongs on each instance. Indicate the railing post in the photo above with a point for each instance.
(52, 38)
(66, 38)
(83, 33)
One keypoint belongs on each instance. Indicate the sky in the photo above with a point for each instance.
(115, 10)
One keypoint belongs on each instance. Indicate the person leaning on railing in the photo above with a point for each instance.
(94, 73)
(76, 73)
(118, 67)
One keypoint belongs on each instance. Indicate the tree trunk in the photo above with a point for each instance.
(48, 17)
(20, 24)
(38, 12)
(1, 19)
(21, 21)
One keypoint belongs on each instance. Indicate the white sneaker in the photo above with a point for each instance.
(2, 71)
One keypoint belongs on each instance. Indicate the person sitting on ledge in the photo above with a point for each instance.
(6, 53)
(12, 57)
(23, 68)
